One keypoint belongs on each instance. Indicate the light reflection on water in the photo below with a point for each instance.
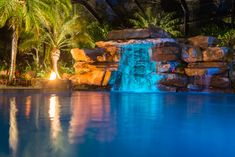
(27, 106)
(54, 115)
(89, 124)
(13, 130)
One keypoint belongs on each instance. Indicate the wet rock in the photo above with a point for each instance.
(204, 71)
(194, 87)
(174, 80)
(191, 54)
(220, 82)
(232, 77)
(212, 81)
(203, 41)
(215, 54)
(167, 67)
(164, 57)
(166, 88)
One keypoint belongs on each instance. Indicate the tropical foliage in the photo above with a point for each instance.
(41, 32)
(20, 15)
(98, 32)
(166, 21)
(224, 33)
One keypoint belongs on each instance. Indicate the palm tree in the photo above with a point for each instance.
(166, 21)
(20, 15)
(61, 30)
(31, 44)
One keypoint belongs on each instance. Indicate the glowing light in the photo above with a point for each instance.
(53, 76)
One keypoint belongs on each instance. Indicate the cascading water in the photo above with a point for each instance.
(136, 72)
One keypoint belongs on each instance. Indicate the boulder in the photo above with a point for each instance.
(180, 70)
(83, 67)
(167, 48)
(96, 77)
(204, 71)
(215, 54)
(220, 82)
(129, 34)
(194, 87)
(175, 80)
(93, 54)
(212, 81)
(103, 44)
(126, 34)
(79, 55)
(111, 51)
(164, 57)
(232, 76)
(157, 32)
(167, 67)
(191, 54)
(165, 88)
(208, 65)
(203, 41)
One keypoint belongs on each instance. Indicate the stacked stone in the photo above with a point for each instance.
(208, 66)
(169, 66)
(193, 64)
(91, 67)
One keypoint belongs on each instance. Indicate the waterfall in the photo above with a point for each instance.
(136, 72)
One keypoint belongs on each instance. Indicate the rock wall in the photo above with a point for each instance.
(193, 64)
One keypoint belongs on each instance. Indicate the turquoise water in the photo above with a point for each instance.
(103, 124)
(136, 72)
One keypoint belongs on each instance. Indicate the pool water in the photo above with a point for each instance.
(103, 124)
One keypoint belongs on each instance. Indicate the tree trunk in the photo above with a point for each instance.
(36, 58)
(15, 38)
(55, 56)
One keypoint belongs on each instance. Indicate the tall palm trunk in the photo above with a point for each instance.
(14, 45)
(55, 56)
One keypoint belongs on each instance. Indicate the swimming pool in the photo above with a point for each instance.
(103, 124)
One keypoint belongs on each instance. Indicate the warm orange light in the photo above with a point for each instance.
(53, 76)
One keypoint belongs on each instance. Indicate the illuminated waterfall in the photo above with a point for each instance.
(136, 72)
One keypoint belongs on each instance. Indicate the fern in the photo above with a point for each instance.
(166, 21)
(98, 31)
